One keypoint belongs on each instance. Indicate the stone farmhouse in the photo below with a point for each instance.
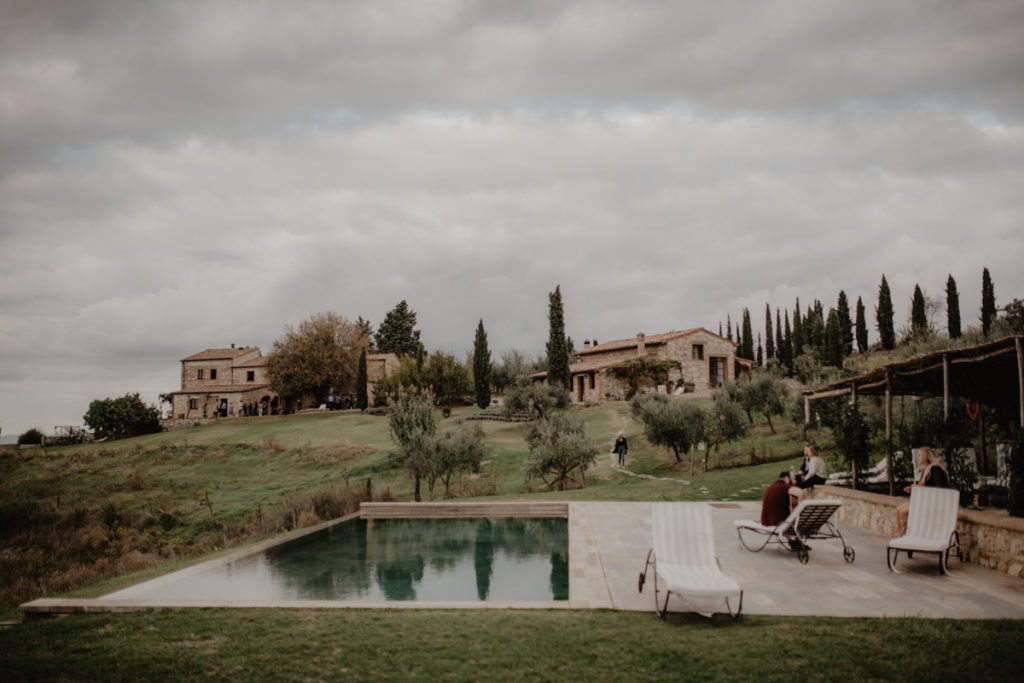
(697, 361)
(215, 382)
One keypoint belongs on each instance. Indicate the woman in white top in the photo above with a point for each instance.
(815, 473)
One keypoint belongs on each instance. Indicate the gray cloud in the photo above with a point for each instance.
(175, 177)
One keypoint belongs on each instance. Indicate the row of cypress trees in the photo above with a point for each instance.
(834, 333)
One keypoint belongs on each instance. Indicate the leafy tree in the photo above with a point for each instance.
(460, 449)
(1013, 317)
(952, 309)
(447, 378)
(559, 447)
(814, 329)
(390, 388)
(884, 317)
(762, 393)
(319, 357)
(678, 425)
(558, 353)
(769, 335)
(725, 423)
(747, 350)
(481, 368)
(514, 370)
(412, 421)
(852, 436)
(862, 328)
(918, 316)
(988, 302)
(536, 398)
(32, 437)
(362, 382)
(366, 327)
(119, 418)
(398, 333)
(845, 324)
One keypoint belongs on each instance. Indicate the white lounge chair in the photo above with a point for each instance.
(874, 475)
(931, 527)
(809, 521)
(683, 561)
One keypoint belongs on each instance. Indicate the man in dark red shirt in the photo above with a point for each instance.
(775, 504)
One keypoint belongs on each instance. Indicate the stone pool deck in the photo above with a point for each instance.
(608, 543)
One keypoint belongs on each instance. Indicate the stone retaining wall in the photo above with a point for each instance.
(172, 424)
(987, 538)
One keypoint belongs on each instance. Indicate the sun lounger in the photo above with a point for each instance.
(874, 475)
(683, 561)
(931, 527)
(809, 521)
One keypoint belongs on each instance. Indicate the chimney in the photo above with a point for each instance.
(586, 344)
(232, 344)
(641, 344)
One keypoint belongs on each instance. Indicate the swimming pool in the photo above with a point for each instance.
(423, 560)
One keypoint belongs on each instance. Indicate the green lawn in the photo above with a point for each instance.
(503, 645)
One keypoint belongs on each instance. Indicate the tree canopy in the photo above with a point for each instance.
(952, 309)
(557, 348)
(884, 316)
(320, 356)
(119, 418)
(559, 448)
(481, 367)
(398, 333)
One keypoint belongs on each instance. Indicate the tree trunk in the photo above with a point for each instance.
(676, 451)
(770, 425)
(416, 496)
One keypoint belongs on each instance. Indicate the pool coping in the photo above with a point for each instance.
(121, 600)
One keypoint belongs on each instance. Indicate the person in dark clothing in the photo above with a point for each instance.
(621, 447)
(775, 504)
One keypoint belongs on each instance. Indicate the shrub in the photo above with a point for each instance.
(32, 437)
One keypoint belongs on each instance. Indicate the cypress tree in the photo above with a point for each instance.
(769, 336)
(362, 392)
(558, 354)
(397, 333)
(832, 345)
(918, 316)
(760, 351)
(798, 331)
(787, 346)
(748, 336)
(481, 368)
(728, 327)
(778, 336)
(883, 317)
(952, 309)
(862, 327)
(845, 323)
(719, 328)
(988, 302)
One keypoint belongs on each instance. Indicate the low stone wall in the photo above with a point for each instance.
(172, 424)
(987, 538)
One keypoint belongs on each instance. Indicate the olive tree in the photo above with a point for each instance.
(675, 424)
(559, 448)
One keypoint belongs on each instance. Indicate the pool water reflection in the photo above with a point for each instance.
(452, 560)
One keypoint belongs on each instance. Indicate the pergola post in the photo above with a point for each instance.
(1020, 379)
(807, 406)
(945, 387)
(853, 465)
(888, 431)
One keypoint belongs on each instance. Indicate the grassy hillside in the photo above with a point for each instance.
(74, 515)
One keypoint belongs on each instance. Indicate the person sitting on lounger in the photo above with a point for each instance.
(815, 474)
(775, 504)
(933, 474)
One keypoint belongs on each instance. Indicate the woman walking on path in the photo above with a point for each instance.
(621, 447)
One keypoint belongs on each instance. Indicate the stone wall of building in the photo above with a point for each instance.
(987, 538)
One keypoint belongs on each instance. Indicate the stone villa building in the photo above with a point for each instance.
(215, 381)
(698, 360)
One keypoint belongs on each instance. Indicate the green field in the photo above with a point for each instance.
(85, 520)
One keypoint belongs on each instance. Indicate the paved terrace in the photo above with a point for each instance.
(609, 543)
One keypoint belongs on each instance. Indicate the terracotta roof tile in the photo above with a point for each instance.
(221, 354)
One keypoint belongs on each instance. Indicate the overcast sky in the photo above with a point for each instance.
(176, 176)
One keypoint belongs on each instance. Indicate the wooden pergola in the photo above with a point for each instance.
(990, 374)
